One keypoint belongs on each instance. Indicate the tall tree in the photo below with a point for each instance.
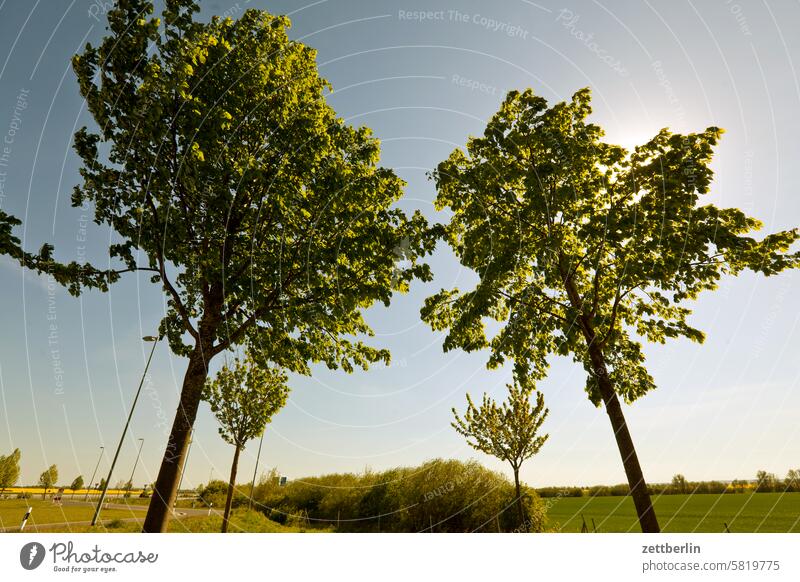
(679, 484)
(76, 484)
(9, 469)
(584, 249)
(48, 478)
(509, 431)
(225, 175)
(244, 397)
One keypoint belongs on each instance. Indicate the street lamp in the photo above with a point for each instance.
(253, 484)
(91, 481)
(130, 481)
(185, 462)
(147, 338)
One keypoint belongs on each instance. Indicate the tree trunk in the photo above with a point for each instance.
(633, 470)
(630, 461)
(165, 489)
(520, 505)
(231, 485)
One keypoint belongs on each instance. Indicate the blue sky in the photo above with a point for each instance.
(69, 367)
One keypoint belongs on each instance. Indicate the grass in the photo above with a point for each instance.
(757, 512)
(241, 521)
(46, 512)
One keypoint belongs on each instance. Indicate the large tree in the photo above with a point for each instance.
(244, 397)
(76, 484)
(48, 478)
(508, 431)
(9, 469)
(224, 174)
(585, 249)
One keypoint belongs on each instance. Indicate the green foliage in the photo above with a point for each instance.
(244, 397)
(679, 484)
(48, 478)
(73, 275)
(77, 483)
(439, 496)
(508, 431)
(9, 469)
(767, 482)
(214, 493)
(225, 174)
(580, 244)
(792, 482)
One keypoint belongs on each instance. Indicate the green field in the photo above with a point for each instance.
(46, 512)
(755, 512)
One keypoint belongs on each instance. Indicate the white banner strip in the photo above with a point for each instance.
(417, 557)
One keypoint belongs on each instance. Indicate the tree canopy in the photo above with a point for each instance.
(508, 431)
(48, 478)
(9, 469)
(226, 176)
(244, 397)
(586, 249)
(540, 199)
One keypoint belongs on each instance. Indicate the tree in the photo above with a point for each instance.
(792, 482)
(508, 431)
(101, 485)
(48, 478)
(9, 469)
(76, 484)
(679, 484)
(584, 249)
(226, 176)
(244, 397)
(766, 482)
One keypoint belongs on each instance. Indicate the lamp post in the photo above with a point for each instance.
(91, 481)
(185, 462)
(147, 338)
(253, 484)
(136, 462)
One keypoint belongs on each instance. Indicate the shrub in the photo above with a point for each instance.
(439, 496)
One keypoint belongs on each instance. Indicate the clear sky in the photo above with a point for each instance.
(69, 367)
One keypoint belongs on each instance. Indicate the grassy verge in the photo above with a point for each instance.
(46, 512)
(242, 521)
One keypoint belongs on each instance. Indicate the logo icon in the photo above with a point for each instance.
(31, 555)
